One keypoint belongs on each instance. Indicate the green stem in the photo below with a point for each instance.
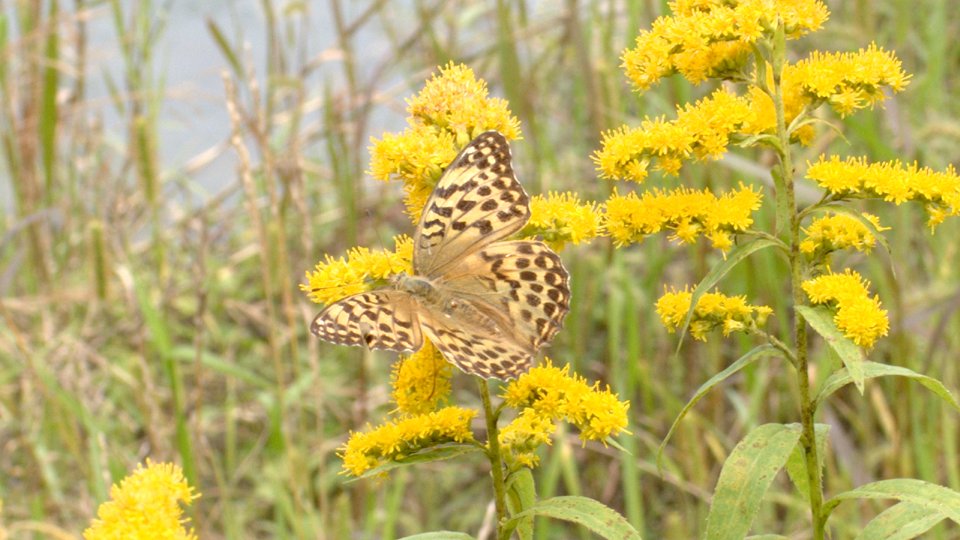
(808, 438)
(496, 459)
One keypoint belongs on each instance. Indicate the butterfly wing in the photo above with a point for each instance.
(523, 282)
(487, 354)
(380, 319)
(476, 202)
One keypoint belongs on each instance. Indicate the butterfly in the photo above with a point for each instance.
(488, 305)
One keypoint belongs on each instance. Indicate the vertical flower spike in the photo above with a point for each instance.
(145, 506)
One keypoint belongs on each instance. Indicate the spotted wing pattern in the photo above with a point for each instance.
(380, 319)
(487, 355)
(524, 280)
(477, 201)
(487, 305)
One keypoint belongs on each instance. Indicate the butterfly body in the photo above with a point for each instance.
(488, 305)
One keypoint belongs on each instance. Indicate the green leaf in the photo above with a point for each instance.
(716, 274)
(592, 514)
(797, 463)
(872, 370)
(901, 522)
(767, 537)
(745, 478)
(924, 494)
(436, 453)
(821, 320)
(742, 362)
(439, 535)
(521, 494)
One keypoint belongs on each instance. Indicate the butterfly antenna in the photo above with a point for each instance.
(376, 231)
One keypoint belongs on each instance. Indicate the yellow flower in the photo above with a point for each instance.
(838, 231)
(858, 316)
(714, 310)
(417, 156)
(688, 213)
(335, 279)
(713, 39)
(456, 101)
(851, 81)
(520, 438)
(939, 192)
(145, 505)
(701, 131)
(421, 381)
(401, 438)
(560, 218)
(555, 394)
(448, 113)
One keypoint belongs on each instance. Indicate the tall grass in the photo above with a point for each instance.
(132, 326)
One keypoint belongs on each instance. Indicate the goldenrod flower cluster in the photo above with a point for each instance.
(561, 218)
(145, 505)
(334, 279)
(713, 38)
(891, 181)
(702, 130)
(847, 81)
(404, 436)
(839, 231)
(452, 109)
(547, 394)
(714, 310)
(687, 212)
(858, 316)
(421, 381)
(850, 81)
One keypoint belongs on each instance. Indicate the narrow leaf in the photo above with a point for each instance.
(521, 494)
(873, 370)
(901, 522)
(924, 494)
(821, 320)
(716, 274)
(592, 514)
(742, 362)
(228, 53)
(745, 478)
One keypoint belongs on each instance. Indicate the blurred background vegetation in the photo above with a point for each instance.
(148, 292)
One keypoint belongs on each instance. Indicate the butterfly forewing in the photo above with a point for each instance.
(477, 201)
(381, 319)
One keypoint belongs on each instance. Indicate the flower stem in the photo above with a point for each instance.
(808, 437)
(496, 459)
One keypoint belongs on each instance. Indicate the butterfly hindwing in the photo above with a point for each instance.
(523, 278)
(380, 319)
(476, 202)
(487, 355)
